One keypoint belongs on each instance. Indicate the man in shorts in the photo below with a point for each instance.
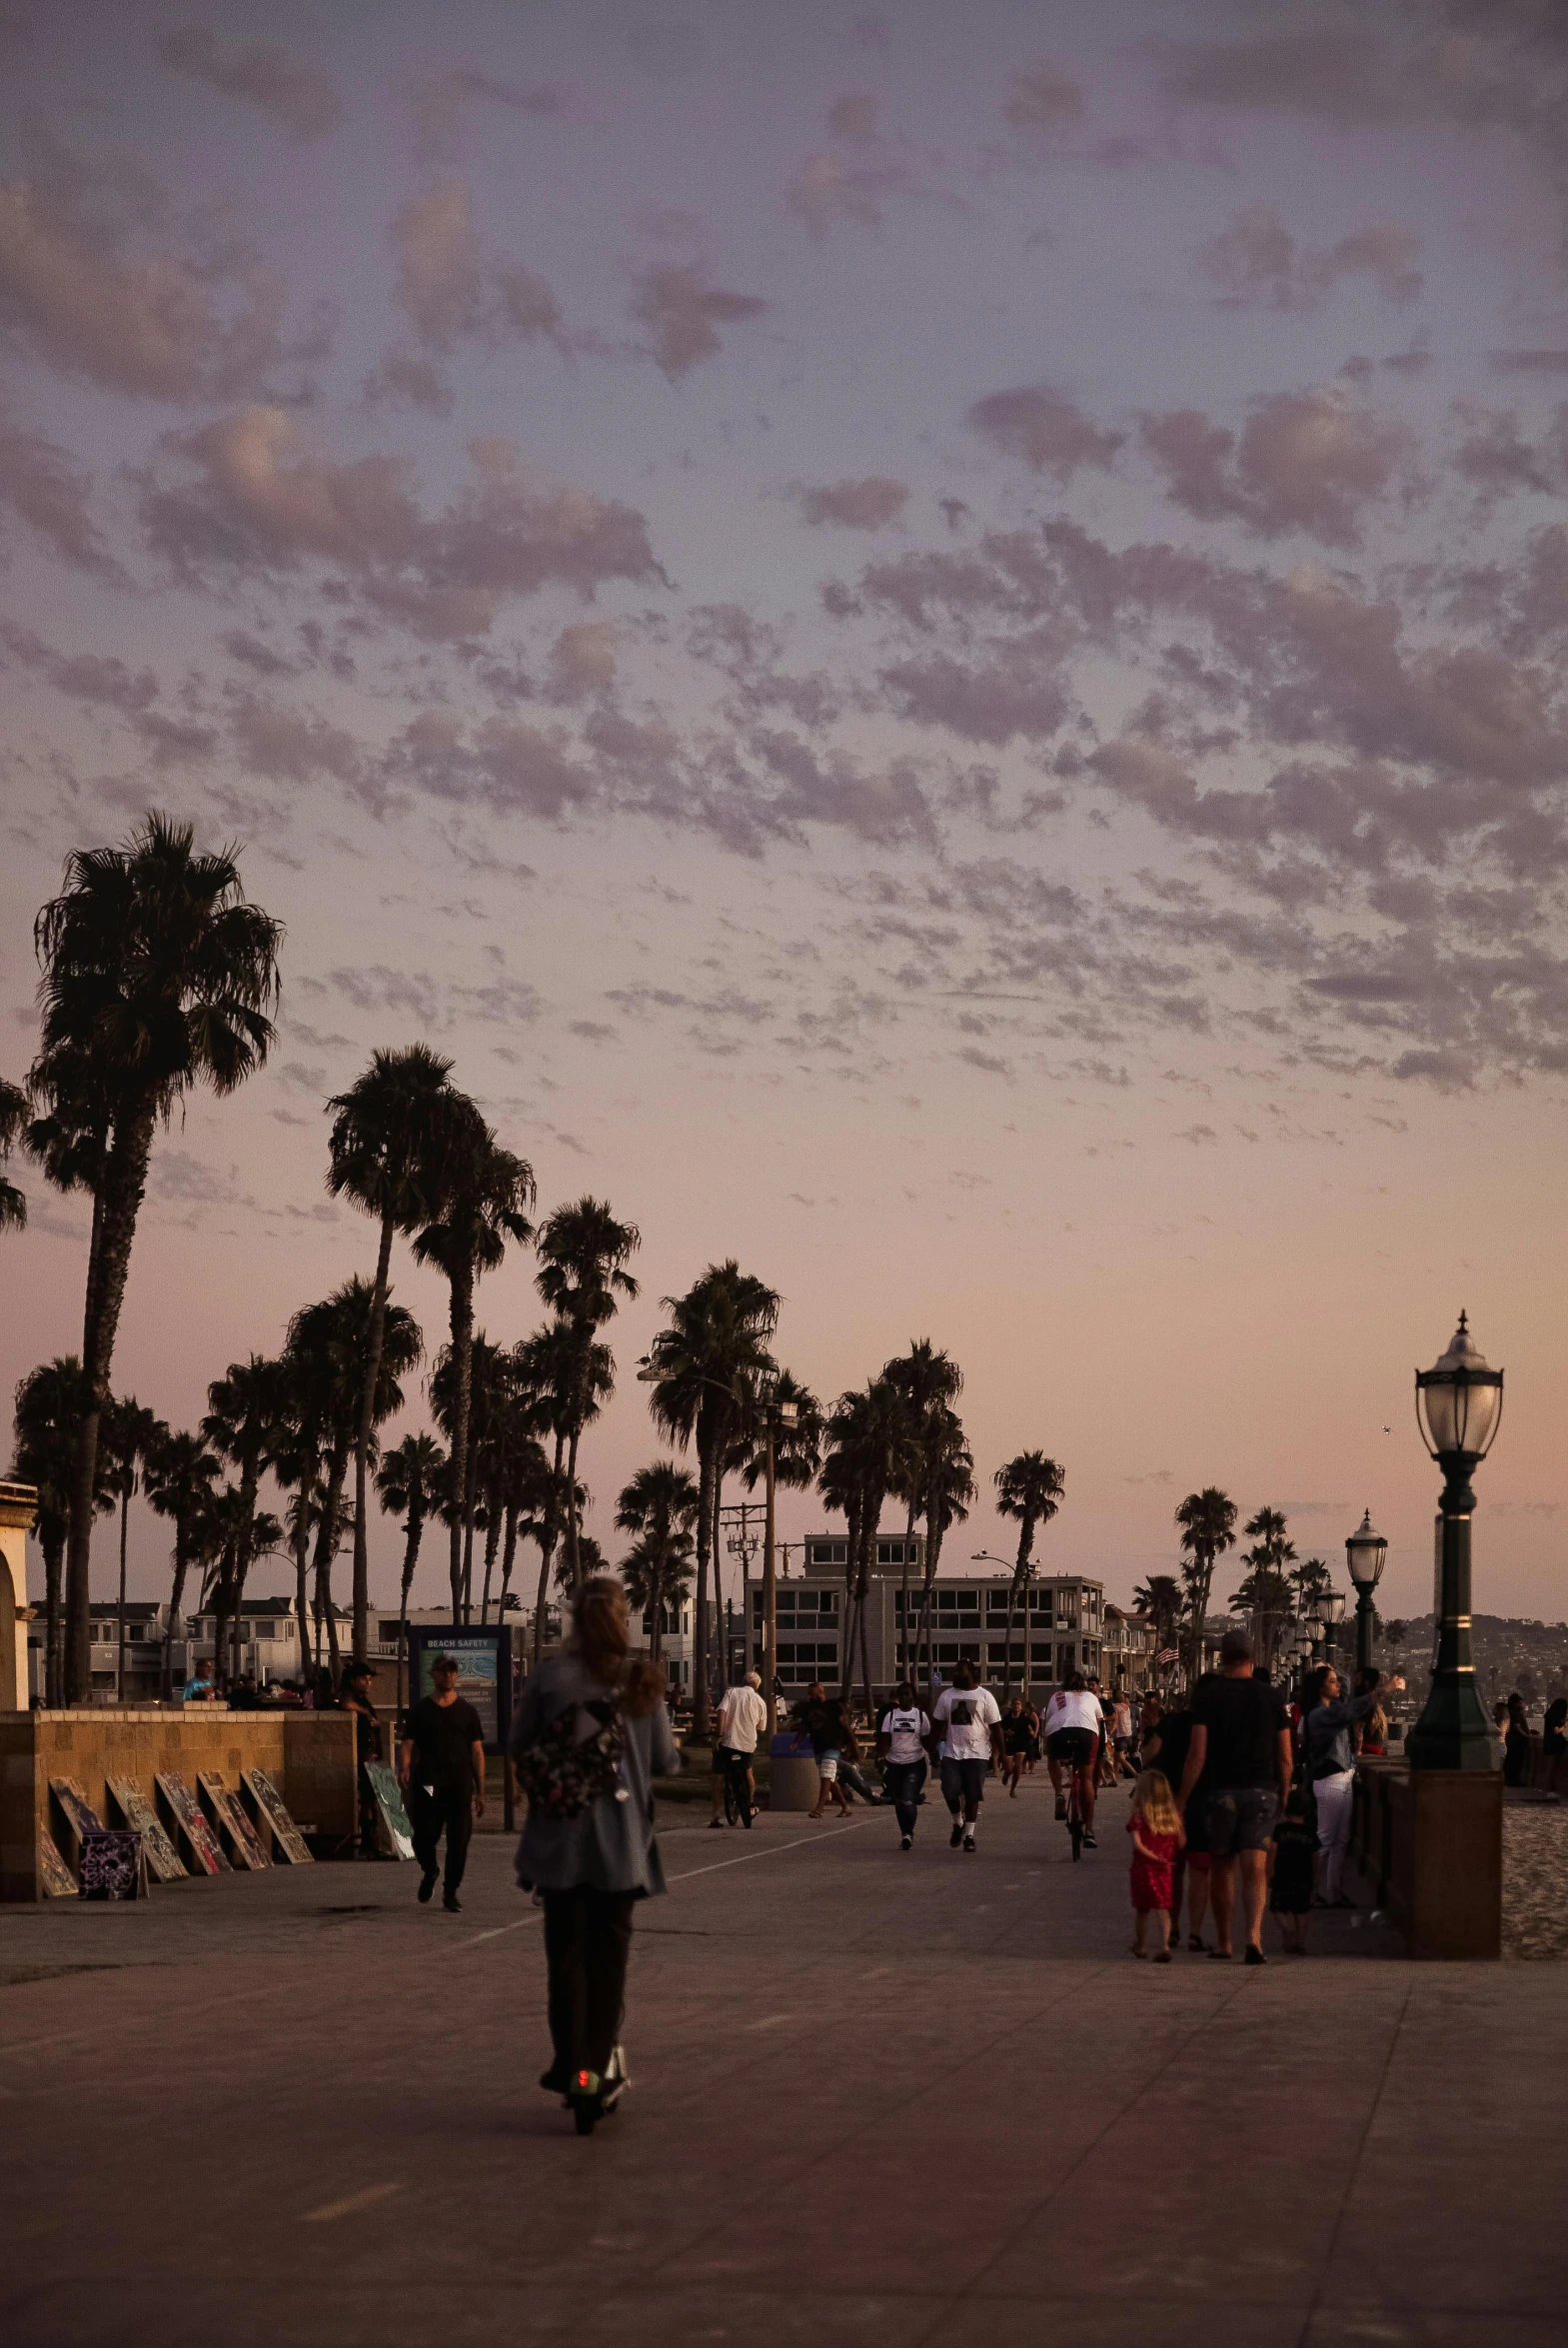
(823, 1718)
(1075, 1733)
(1240, 1745)
(742, 1717)
(967, 1720)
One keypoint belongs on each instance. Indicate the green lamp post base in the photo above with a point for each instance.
(1453, 1731)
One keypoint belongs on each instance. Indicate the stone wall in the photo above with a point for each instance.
(309, 1755)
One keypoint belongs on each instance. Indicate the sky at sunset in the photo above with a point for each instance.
(928, 640)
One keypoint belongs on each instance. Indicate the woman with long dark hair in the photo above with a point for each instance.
(1328, 1765)
(591, 1734)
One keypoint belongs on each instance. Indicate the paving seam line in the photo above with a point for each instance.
(1353, 2170)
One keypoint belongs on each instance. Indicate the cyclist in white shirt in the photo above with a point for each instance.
(968, 1721)
(900, 1747)
(742, 1717)
(1074, 1729)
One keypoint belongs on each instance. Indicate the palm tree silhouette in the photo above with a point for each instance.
(409, 1483)
(1207, 1521)
(582, 1255)
(704, 1366)
(179, 1485)
(50, 1402)
(245, 1418)
(930, 1382)
(13, 1124)
(158, 976)
(660, 1507)
(131, 1439)
(487, 1195)
(870, 1451)
(392, 1139)
(1029, 1488)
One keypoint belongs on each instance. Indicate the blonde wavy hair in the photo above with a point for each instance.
(1153, 1800)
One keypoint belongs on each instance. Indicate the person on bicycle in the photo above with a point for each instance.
(742, 1717)
(1074, 1729)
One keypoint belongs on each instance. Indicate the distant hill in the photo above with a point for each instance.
(1511, 1652)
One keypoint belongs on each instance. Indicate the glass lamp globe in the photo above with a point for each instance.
(1459, 1400)
(1366, 1553)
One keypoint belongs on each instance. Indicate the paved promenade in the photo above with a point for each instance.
(879, 2099)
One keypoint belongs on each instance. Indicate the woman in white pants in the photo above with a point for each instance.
(1328, 1762)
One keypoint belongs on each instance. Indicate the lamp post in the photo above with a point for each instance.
(1366, 1553)
(1459, 1404)
(780, 1414)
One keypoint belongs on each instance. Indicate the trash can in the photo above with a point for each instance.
(794, 1778)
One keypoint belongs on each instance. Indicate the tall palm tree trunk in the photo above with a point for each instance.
(705, 1543)
(574, 1559)
(302, 1599)
(461, 1404)
(176, 1595)
(470, 1493)
(491, 1544)
(375, 1337)
(119, 1626)
(414, 1533)
(508, 1554)
(124, 1181)
(904, 1594)
(326, 1549)
(53, 1542)
(547, 1551)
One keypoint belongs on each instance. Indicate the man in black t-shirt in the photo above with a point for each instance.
(1240, 1746)
(440, 1768)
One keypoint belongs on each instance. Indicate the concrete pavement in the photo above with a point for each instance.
(878, 2097)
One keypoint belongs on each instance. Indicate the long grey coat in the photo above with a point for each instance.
(609, 1846)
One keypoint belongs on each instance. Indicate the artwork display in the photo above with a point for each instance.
(75, 1807)
(163, 1860)
(58, 1881)
(272, 1816)
(190, 1823)
(112, 1866)
(244, 1845)
(394, 1835)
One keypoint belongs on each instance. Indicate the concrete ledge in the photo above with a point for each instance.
(1431, 1840)
(310, 1755)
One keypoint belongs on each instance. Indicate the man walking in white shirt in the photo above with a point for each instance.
(742, 1717)
(900, 1747)
(968, 1722)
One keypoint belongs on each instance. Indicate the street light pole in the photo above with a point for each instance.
(1459, 1403)
(785, 1414)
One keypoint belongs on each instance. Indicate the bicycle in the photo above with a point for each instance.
(738, 1791)
(1074, 1812)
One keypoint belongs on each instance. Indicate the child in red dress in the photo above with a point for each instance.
(1156, 1832)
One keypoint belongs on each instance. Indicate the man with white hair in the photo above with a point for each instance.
(742, 1717)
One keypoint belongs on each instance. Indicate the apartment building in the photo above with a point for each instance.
(1059, 1626)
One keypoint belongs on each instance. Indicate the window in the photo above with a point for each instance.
(950, 1652)
(1040, 1659)
(826, 1553)
(136, 1630)
(1041, 1602)
(265, 1630)
(803, 1660)
(1064, 1660)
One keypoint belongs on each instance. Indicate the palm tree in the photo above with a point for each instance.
(1309, 1579)
(245, 1416)
(393, 1138)
(930, 1382)
(132, 1439)
(1207, 1521)
(545, 1375)
(1267, 1593)
(583, 1257)
(660, 1507)
(409, 1483)
(948, 1488)
(156, 976)
(13, 1124)
(527, 1495)
(179, 1482)
(49, 1405)
(486, 1194)
(703, 1366)
(1029, 1488)
(325, 1358)
(1160, 1599)
(870, 1451)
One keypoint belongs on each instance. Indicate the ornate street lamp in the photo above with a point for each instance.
(1459, 1403)
(1366, 1553)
